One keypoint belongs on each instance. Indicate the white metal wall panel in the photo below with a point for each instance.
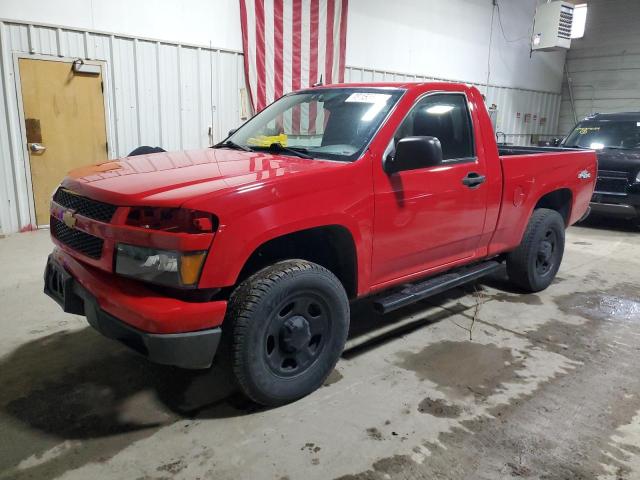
(72, 44)
(157, 93)
(123, 94)
(190, 103)
(148, 90)
(510, 101)
(207, 76)
(169, 73)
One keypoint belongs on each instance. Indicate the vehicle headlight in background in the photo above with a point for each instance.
(163, 267)
(638, 177)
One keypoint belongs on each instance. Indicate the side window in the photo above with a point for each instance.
(445, 116)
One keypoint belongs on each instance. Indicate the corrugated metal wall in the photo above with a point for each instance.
(521, 113)
(166, 94)
(604, 65)
(157, 93)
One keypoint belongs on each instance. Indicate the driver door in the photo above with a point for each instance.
(429, 218)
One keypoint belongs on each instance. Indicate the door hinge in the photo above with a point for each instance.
(106, 146)
(101, 86)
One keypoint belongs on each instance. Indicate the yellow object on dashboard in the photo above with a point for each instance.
(267, 140)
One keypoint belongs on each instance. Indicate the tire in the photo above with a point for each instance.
(287, 326)
(145, 150)
(534, 264)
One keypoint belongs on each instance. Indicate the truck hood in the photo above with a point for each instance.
(627, 161)
(171, 178)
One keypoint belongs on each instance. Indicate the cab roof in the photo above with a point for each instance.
(620, 116)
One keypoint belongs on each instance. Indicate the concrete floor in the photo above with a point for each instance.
(546, 388)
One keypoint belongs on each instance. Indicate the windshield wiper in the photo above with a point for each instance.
(279, 148)
(575, 146)
(232, 145)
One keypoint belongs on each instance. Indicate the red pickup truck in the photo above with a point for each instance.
(258, 245)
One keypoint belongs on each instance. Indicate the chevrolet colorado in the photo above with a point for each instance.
(258, 245)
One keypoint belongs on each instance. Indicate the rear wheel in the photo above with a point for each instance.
(534, 264)
(288, 324)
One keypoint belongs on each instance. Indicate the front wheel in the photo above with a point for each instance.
(288, 324)
(534, 264)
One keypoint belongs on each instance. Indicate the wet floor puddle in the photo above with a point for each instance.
(619, 303)
(463, 368)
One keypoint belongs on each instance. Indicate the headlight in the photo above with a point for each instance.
(638, 177)
(163, 267)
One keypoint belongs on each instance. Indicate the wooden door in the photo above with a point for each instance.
(64, 123)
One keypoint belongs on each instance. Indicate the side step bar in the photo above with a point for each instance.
(419, 291)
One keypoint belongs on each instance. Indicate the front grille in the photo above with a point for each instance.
(610, 181)
(77, 240)
(84, 206)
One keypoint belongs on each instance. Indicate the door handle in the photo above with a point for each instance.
(473, 179)
(37, 148)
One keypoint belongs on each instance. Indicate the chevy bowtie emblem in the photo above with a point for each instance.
(584, 175)
(68, 219)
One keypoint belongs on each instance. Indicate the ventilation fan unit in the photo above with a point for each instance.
(552, 26)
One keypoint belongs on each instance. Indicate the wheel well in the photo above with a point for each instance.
(330, 246)
(558, 200)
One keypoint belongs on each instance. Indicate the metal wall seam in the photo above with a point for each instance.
(137, 87)
(114, 107)
(160, 136)
(8, 215)
(179, 71)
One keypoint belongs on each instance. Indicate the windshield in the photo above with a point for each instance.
(598, 134)
(331, 123)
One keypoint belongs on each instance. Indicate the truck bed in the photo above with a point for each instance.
(506, 150)
(528, 174)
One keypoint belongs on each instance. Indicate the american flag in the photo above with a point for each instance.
(289, 45)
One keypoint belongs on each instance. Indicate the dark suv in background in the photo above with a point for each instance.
(616, 138)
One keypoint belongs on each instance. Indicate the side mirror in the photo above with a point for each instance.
(413, 153)
(232, 131)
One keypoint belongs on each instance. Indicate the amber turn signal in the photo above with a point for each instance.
(190, 267)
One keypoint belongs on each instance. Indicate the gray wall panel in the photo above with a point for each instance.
(604, 65)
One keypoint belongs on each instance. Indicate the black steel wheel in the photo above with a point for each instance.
(286, 325)
(535, 263)
(297, 333)
(546, 257)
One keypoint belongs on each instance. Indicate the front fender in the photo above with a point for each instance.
(248, 221)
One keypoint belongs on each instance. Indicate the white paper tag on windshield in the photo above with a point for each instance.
(363, 97)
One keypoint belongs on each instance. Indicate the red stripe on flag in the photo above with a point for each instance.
(328, 59)
(261, 70)
(297, 60)
(278, 47)
(245, 48)
(313, 60)
(343, 39)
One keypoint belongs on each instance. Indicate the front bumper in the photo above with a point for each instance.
(615, 209)
(616, 205)
(166, 340)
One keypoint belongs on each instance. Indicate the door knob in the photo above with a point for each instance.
(473, 179)
(37, 148)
